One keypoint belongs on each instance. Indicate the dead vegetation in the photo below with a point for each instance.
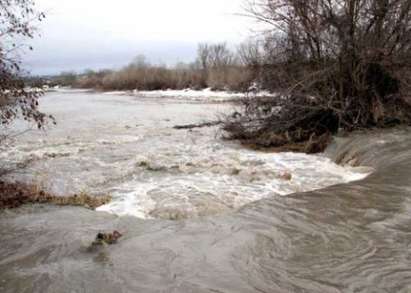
(217, 67)
(341, 64)
(199, 125)
(13, 195)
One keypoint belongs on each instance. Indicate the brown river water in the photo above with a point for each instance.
(200, 214)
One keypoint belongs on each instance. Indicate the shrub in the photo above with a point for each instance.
(334, 64)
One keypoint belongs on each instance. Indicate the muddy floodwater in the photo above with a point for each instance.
(200, 214)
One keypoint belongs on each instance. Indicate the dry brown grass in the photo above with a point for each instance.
(13, 195)
(83, 200)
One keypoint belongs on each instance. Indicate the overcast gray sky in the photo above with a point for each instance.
(81, 34)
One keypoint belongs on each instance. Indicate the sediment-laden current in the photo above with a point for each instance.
(127, 147)
(244, 223)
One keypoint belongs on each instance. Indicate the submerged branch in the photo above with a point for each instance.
(200, 125)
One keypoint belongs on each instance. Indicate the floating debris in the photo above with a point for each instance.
(106, 238)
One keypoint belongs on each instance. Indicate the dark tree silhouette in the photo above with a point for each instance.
(335, 64)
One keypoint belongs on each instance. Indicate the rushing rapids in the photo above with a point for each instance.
(127, 147)
(350, 237)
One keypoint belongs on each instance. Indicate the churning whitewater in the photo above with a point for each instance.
(126, 146)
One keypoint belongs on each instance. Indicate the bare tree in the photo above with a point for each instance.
(16, 23)
(140, 61)
(335, 64)
(216, 61)
(251, 56)
(203, 57)
(250, 53)
(220, 56)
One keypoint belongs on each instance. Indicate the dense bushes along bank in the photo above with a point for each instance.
(216, 67)
(335, 65)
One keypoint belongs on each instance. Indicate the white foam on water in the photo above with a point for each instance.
(153, 170)
(190, 94)
(135, 203)
(208, 187)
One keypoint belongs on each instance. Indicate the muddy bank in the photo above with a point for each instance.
(352, 237)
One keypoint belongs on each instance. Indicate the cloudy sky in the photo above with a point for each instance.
(81, 34)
